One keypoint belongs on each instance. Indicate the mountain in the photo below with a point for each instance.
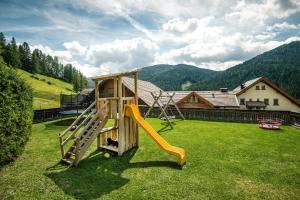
(46, 89)
(280, 65)
(175, 77)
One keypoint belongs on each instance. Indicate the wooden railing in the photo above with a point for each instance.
(76, 125)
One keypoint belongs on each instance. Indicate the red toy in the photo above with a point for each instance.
(271, 124)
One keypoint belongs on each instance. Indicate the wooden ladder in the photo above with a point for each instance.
(85, 130)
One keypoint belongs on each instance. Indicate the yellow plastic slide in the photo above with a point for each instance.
(133, 112)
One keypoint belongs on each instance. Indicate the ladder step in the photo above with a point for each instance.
(68, 160)
(71, 153)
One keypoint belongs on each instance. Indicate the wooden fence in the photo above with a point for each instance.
(247, 116)
(53, 114)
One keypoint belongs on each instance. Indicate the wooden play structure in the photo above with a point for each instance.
(163, 101)
(119, 138)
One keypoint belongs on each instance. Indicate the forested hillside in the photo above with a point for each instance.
(21, 57)
(175, 77)
(280, 65)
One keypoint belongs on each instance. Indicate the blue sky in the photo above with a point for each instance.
(100, 36)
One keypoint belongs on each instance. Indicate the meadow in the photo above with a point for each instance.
(224, 161)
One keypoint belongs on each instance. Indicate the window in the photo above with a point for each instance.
(275, 102)
(257, 87)
(242, 101)
(263, 87)
(266, 101)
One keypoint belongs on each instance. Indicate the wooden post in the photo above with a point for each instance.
(136, 98)
(96, 92)
(136, 127)
(98, 141)
(121, 133)
(115, 87)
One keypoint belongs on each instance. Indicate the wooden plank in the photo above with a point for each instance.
(98, 141)
(137, 134)
(92, 137)
(62, 150)
(136, 89)
(121, 132)
(131, 135)
(115, 87)
(114, 134)
(113, 107)
(96, 90)
(111, 76)
(126, 125)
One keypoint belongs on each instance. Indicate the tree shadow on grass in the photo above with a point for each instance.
(96, 176)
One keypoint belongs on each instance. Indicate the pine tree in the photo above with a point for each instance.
(2, 40)
(25, 56)
(14, 54)
(43, 64)
(2, 46)
(76, 82)
(55, 66)
(35, 67)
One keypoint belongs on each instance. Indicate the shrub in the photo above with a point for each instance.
(43, 79)
(35, 77)
(49, 82)
(15, 114)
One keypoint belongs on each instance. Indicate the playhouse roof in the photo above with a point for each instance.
(144, 89)
(113, 75)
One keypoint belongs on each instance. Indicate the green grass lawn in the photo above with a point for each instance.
(45, 95)
(224, 161)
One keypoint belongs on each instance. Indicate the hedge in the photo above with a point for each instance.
(15, 113)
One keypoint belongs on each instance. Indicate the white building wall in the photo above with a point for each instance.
(268, 93)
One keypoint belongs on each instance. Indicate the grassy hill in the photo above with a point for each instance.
(46, 90)
(175, 77)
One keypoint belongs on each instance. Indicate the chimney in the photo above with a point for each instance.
(224, 89)
(242, 86)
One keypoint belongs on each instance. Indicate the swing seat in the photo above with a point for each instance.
(168, 117)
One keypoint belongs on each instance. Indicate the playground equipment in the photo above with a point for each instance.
(158, 100)
(271, 124)
(122, 136)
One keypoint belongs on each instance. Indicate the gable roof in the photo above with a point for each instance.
(246, 84)
(197, 95)
(238, 91)
(215, 98)
(144, 89)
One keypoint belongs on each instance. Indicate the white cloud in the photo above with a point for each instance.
(213, 34)
(122, 55)
(283, 26)
(75, 48)
(178, 27)
(224, 53)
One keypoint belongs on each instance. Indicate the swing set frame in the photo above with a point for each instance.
(163, 107)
